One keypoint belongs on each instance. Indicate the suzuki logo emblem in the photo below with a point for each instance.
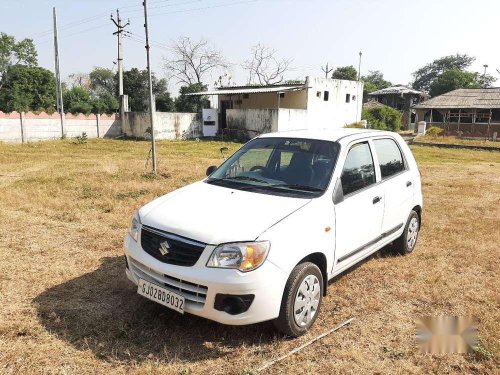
(164, 248)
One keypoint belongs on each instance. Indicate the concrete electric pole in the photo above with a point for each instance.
(326, 70)
(59, 98)
(359, 66)
(150, 81)
(118, 33)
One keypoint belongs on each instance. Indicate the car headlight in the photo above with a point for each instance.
(135, 227)
(244, 256)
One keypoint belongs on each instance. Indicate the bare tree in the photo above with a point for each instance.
(192, 60)
(264, 67)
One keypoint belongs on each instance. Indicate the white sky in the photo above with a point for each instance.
(396, 36)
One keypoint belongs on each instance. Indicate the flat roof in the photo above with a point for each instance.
(250, 90)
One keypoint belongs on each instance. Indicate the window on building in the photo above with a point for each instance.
(389, 157)
(359, 171)
(353, 97)
(347, 98)
(326, 95)
(282, 95)
(318, 94)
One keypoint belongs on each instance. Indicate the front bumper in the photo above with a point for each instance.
(200, 284)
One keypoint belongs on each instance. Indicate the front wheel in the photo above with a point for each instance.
(301, 300)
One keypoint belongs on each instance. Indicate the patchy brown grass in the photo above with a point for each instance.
(66, 306)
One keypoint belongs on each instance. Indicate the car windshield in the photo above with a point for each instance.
(281, 166)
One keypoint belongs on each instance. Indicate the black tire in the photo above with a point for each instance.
(402, 245)
(286, 322)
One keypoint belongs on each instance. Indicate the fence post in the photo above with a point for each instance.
(23, 128)
(97, 119)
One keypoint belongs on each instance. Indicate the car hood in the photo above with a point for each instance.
(214, 214)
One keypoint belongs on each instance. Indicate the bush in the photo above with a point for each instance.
(383, 117)
(434, 131)
(82, 139)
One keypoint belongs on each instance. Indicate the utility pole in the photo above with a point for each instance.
(359, 66)
(118, 33)
(326, 70)
(59, 99)
(150, 81)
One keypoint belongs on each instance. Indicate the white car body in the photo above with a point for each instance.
(336, 235)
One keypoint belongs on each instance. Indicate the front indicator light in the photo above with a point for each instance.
(135, 227)
(244, 256)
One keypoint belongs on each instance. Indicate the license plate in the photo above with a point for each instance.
(161, 295)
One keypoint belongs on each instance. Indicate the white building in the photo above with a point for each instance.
(316, 103)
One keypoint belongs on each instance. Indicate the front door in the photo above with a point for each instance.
(358, 218)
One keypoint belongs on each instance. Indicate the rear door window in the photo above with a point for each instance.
(389, 157)
(359, 171)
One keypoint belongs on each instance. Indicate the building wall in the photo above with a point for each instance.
(334, 112)
(26, 127)
(291, 99)
(253, 121)
(168, 125)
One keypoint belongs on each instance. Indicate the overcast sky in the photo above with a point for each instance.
(396, 36)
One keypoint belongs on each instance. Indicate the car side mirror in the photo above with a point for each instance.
(338, 193)
(211, 170)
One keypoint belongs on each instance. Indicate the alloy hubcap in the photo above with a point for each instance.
(307, 300)
(411, 238)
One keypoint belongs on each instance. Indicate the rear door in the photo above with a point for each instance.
(397, 182)
(358, 218)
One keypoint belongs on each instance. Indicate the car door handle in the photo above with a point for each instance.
(408, 183)
(376, 200)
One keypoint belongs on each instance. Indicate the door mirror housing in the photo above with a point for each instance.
(211, 170)
(338, 193)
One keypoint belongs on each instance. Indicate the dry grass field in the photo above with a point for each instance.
(66, 306)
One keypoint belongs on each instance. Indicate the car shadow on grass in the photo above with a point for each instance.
(101, 311)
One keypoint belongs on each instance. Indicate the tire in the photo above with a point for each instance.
(304, 288)
(406, 243)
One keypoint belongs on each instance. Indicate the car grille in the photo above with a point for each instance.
(194, 294)
(181, 252)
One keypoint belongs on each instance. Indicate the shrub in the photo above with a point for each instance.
(434, 131)
(383, 117)
(82, 139)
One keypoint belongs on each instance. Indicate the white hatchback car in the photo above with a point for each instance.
(260, 237)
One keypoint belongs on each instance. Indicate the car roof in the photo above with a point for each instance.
(327, 134)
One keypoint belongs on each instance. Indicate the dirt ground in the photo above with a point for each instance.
(66, 306)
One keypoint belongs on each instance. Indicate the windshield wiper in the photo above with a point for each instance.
(245, 178)
(299, 187)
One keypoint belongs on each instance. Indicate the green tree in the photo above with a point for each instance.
(103, 81)
(105, 103)
(383, 117)
(135, 85)
(345, 72)
(103, 90)
(186, 103)
(374, 81)
(28, 88)
(423, 77)
(13, 53)
(453, 79)
(77, 100)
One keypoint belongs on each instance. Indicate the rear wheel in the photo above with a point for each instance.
(301, 300)
(406, 243)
